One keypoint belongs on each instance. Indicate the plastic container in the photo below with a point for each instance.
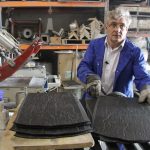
(1, 101)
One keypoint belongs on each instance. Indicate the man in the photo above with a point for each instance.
(112, 63)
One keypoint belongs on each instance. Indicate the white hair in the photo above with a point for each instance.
(118, 13)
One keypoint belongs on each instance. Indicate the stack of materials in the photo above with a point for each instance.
(51, 115)
(120, 119)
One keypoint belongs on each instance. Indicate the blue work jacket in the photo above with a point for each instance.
(131, 66)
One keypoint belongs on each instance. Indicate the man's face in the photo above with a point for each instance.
(116, 30)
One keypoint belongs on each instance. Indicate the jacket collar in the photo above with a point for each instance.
(117, 48)
(99, 52)
(125, 56)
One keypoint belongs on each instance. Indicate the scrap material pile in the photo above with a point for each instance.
(51, 115)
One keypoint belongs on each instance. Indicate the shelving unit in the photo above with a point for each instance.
(138, 34)
(140, 20)
(59, 47)
(59, 5)
(52, 4)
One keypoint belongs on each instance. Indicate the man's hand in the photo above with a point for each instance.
(144, 96)
(93, 85)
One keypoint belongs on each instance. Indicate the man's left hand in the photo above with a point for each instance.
(145, 96)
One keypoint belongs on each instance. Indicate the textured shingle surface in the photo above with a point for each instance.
(121, 119)
(51, 114)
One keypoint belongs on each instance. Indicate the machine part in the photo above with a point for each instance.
(96, 27)
(103, 145)
(53, 81)
(9, 60)
(27, 33)
(18, 26)
(49, 25)
(55, 33)
(73, 35)
(37, 71)
(84, 32)
(45, 38)
(30, 64)
(9, 47)
(74, 26)
(61, 32)
(8, 42)
(7, 70)
(16, 88)
(4, 117)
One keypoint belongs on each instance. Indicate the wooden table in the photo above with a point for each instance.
(9, 142)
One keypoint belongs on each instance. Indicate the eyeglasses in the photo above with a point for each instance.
(114, 25)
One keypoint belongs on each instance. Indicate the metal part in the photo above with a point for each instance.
(16, 88)
(9, 60)
(27, 33)
(18, 27)
(37, 71)
(96, 27)
(8, 42)
(74, 26)
(49, 25)
(53, 81)
(13, 57)
(7, 70)
(124, 146)
(60, 33)
(84, 32)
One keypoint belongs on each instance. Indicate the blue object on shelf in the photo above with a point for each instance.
(1, 95)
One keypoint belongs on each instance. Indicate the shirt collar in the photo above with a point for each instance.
(117, 48)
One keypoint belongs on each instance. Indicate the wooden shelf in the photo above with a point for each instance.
(59, 47)
(51, 4)
(138, 34)
(68, 4)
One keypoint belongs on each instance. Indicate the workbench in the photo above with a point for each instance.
(10, 142)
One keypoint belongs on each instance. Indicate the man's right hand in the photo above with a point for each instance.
(93, 85)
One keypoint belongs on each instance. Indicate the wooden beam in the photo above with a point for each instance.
(50, 4)
(59, 47)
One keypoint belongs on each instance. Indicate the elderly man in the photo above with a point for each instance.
(113, 62)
